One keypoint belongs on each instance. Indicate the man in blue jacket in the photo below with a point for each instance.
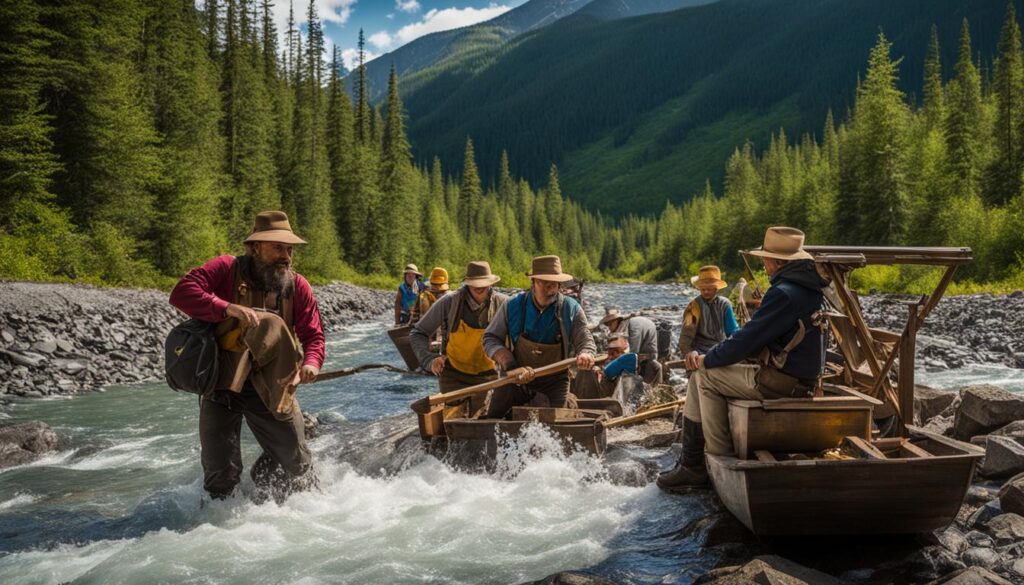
(783, 335)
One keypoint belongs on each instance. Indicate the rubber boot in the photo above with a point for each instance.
(689, 472)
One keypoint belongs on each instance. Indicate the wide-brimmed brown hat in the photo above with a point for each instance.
(548, 268)
(413, 269)
(611, 314)
(478, 273)
(619, 340)
(783, 243)
(273, 226)
(439, 278)
(709, 275)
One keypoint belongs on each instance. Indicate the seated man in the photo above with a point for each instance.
(784, 332)
(642, 334)
(708, 319)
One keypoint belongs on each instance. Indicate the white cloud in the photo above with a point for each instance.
(350, 57)
(336, 11)
(382, 40)
(446, 19)
(409, 6)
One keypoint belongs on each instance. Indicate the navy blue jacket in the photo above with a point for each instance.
(795, 294)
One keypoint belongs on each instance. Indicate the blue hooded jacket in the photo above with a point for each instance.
(795, 294)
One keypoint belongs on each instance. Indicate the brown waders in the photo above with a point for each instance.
(535, 355)
(451, 380)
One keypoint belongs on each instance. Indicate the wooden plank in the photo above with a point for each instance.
(865, 447)
(913, 449)
(905, 376)
(765, 456)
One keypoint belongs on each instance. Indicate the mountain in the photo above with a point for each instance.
(642, 110)
(614, 9)
(433, 48)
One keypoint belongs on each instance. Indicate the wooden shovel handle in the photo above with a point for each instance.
(349, 371)
(547, 370)
(641, 416)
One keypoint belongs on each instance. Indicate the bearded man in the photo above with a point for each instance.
(260, 306)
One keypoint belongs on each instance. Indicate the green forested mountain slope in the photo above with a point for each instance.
(640, 110)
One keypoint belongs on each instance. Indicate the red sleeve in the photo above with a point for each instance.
(201, 293)
(307, 323)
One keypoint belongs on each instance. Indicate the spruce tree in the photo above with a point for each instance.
(340, 149)
(470, 193)
(964, 119)
(362, 112)
(934, 98)
(1004, 174)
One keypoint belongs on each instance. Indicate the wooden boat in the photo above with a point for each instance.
(780, 482)
(902, 485)
(575, 427)
(400, 337)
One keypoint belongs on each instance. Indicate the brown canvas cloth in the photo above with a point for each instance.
(276, 360)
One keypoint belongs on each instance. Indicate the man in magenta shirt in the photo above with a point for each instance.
(271, 340)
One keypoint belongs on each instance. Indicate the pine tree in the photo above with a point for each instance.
(963, 120)
(934, 98)
(470, 193)
(400, 207)
(363, 112)
(340, 146)
(1004, 174)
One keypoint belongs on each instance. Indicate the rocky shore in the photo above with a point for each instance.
(961, 330)
(63, 339)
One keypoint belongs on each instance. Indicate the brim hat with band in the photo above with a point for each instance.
(411, 268)
(439, 278)
(611, 315)
(782, 243)
(618, 340)
(709, 276)
(548, 268)
(273, 226)
(478, 274)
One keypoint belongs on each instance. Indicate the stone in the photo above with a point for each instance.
(7, 335)
(985, 408)
(1011, 495)
(119, 356)
(933, 561)
(1018, 360)
(65, 346)
(1006, 528)
(971, 576)
(940, 425)
(1014, 430)
(24, 442)
(772, 570)
(72, 367)
(981, 557)
(981, 516)
(977, 538)
(27, 359)
(1016, 569)
(979, 495)
(1003, 457)
(953, 540)
(46, 346)
(929, 402)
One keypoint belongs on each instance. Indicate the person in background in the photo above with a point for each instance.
(407, 294)
(438, 288)
(642, 334)
(708, 319)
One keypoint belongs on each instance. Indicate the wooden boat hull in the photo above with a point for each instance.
(860, 496)
(583, 428)
(400, 337)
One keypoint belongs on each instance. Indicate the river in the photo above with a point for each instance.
(122, 501)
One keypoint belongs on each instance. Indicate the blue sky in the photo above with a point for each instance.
(389, 24)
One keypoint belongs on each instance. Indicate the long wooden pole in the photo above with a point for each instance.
(642, 416)
(350, 371)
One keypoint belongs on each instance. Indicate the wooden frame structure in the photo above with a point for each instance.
(878, 349)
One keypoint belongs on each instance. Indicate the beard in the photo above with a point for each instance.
(273, 277)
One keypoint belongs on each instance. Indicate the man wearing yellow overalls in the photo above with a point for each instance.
(537, 328)
(461, 318)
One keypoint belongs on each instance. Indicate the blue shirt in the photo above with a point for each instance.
(730, 321)
(409, 294)
(625, 363)
(539, 326)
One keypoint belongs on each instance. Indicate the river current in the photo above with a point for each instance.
(121, 501)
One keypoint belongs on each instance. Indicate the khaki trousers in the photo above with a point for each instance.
(707, 395)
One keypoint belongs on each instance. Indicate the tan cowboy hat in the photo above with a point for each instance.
(709, 275)
(611, 314)
(548, 268)
(413, 269)
(273, 226)
(478, 273)
(782, 243)
(439, 278)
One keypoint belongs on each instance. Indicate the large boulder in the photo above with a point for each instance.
(569, 578)
(1006, 529)
(1003, 457)
(929, 402)
(1014, 430)
(1011, 496)
(24, 442)
(971, 576)
(984, 409)
(769, 569)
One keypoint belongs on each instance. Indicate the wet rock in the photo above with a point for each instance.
(1003, 457)
(1016, 569)
(929, 402)
(570, 578)
(769, 569)
(981, 557)
(980, 494)
(717, 529)
(24, 442)
(29, 360)
(1011, 496)
(985, 408)
(980, 518)
(1006, 528)
(953, 540)
(1014, 430)
(933, 561)
(972, 576)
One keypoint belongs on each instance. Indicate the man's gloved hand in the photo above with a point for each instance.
(504, 358)
(523, 375)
